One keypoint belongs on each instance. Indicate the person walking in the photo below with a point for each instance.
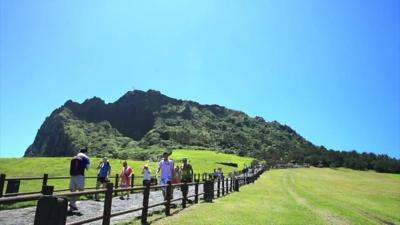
(146, 175)
(126, 175)
(104, 171)
(187, 171)
(78, 165)
(187, 177)
(166, 166)
(177, 175)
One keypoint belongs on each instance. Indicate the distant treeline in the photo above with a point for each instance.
(321, 157)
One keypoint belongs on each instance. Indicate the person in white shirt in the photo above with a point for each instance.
(166, 166)
(146, 175)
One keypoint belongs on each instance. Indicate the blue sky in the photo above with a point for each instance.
(328, 69)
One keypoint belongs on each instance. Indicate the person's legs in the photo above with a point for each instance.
(122, 193)
(78, 183)
(101, 182)
(163, 189)
(123, 186)
(72, 202)
(73, 187)
(98, 184)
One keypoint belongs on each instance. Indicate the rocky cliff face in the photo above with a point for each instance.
(141, 120)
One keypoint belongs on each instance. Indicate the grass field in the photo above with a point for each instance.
(202, 161)
(303, 196)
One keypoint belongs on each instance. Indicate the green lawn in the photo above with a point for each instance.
(202, 161)
(302, 196)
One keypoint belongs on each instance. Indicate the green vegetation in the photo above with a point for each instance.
(302, 196)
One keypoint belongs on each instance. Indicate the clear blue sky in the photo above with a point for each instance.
(328, 69)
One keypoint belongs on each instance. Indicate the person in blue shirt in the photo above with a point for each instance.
(103, 174)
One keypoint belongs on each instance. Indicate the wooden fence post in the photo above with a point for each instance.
(45, 178)
(196, 192)
(2, 182)
(184, 186)
(47, 190)
(227, 186)
(218, 188)
(208, 188)
(132, 182)
(116, 183)
(107, 204)
(146, 194)
(236, 188)
(231, 186)
(223, 185)
(205, 175)
(168, 199)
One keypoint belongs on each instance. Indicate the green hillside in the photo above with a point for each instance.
(139, 121)
(140, 124)
(303, 196)
(201, 160)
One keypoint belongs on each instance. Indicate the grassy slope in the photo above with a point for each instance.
(201, 160)
(304, 196)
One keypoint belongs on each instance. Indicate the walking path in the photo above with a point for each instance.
(89, 209)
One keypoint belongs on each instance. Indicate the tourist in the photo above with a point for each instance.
(187, 176)
(126, 175)
(166, 166)
(104, 171)
(78, 165)
(146, 175)
(220, 173)
(187, 171)
(215, 174)
(177, 175)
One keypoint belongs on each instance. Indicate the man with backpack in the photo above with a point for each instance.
(79, 164)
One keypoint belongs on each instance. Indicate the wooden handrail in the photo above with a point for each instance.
(56, 178)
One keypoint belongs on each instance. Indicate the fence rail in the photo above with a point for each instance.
(224, 186)
(45, 178)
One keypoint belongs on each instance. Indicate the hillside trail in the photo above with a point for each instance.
(327, 216)
(90, 208)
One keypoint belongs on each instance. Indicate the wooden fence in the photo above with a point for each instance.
(45, 178)
(224, 187)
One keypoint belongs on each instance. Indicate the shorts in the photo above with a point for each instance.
(187, 180)
(164, 180)
(77, 182)
(146, 182)
(102, 180)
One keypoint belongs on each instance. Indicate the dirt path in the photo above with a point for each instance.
(89, 208)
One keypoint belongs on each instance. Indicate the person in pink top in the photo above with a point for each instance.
(126, 175)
